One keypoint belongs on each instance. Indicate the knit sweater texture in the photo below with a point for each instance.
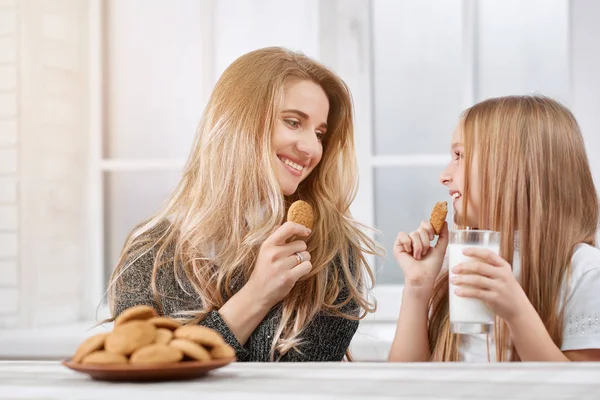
(326, 338)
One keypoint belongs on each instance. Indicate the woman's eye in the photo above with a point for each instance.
(292, 123)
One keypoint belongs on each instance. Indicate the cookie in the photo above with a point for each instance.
(104, 357)
(191, 349)
(164, 322)
(301, 212)
(127, 338)
(438, 216)
(140, 312)
(163, 336)
(222, 351)
(89, 345)
(199, 334)
(156, 354)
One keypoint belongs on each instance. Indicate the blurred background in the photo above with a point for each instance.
(100, 100)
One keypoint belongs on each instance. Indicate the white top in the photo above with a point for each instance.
(582, 313)
(318, 381)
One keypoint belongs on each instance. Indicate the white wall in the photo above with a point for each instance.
(585, 75)
(43, 152)
(9, 151)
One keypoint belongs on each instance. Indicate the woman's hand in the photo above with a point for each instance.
(277, 266)
(420, 262)
(490, 279)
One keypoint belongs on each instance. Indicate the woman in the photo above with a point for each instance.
(519, 167)
(277, 128)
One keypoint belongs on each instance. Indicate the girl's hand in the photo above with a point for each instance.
(420, 262)
(490, 279)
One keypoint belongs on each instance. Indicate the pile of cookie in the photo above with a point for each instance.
(140, 336)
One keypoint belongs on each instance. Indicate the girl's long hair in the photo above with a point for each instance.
(534, 178)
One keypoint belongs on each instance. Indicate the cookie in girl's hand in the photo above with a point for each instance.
(438, 216)
(301, 213)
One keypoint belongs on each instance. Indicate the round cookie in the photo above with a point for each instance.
(104, 357)
(163, 336)
(199, 334)
(165, 322)
(140, 312)
(156, 354)
(191, 349)
(222, 351)
(301, 212)
(127, 338)
(438, 216)
(89, 345)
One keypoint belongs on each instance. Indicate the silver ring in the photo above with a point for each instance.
(299, 257)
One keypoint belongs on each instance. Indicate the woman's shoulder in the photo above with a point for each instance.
(141, 271)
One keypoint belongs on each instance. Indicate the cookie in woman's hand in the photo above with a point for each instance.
(301, 213)
(438, 216)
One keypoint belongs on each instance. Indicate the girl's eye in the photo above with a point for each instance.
(458, 155)
(320, 136)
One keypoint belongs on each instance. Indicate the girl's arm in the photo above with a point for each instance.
(421, 265)
(531, 339)
(410, 342)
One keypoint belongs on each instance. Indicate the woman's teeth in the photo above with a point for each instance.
(456, 195)
(292, 164)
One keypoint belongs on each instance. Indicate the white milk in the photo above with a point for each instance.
(467, 310)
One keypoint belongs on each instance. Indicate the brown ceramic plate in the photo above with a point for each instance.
(148, 373)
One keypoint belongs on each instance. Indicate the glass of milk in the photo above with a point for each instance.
(469, 316)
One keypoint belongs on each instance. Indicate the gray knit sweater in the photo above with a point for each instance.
(326, 338)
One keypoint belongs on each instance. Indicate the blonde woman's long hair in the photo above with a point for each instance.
(229, 200)
(534, 178)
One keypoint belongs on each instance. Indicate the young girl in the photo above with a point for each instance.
(519, 167)
(277, 128)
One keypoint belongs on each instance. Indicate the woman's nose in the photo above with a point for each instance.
(308, 144)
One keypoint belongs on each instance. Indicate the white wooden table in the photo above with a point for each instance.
(50, 380)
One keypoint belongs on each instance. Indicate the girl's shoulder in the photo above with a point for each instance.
(583, 283)
(585, 260)
(581, 327)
